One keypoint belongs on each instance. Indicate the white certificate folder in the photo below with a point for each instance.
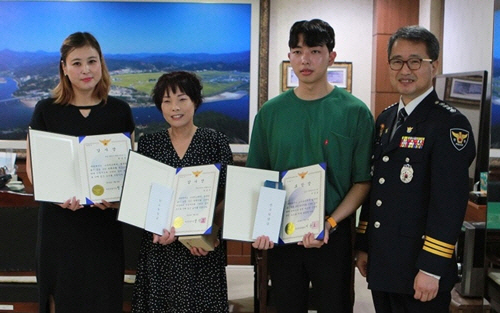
(156, 196)
(303, 212)
(91, 168)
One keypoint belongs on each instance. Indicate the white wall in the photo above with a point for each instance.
(467, 36)
(466, 46)
(424, 17)
(352, 21)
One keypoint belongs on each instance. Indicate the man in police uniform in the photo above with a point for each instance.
(410, 223)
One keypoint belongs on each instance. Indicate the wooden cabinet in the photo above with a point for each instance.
(18, 232)
(18, 224)
(461, 304)
(238, 253)
(475, 212)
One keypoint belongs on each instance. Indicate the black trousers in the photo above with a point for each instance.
(386, 302)
(329, 269)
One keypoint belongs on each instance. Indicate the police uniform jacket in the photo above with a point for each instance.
(418, 197)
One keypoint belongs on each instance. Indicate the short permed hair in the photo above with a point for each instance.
(186, 82)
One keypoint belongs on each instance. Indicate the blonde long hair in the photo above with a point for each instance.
(63, 92)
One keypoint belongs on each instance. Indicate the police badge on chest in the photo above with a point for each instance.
(406, 173)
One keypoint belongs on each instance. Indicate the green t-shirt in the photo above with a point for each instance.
(337, 129)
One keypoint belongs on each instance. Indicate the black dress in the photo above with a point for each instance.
(170, 279)
(80, 258)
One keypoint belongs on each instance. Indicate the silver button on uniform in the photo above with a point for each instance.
(385, 158)
(378, 203)
(376, 224)
(381, 180)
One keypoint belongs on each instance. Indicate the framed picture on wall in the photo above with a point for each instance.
(464, 90)
(220, 45)
(339, 74)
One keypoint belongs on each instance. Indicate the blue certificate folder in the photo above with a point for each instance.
(273, 184)
(304, 203)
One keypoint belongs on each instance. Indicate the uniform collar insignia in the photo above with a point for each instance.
(382, 127)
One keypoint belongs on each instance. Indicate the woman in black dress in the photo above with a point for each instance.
(170, 277)
(80, 258)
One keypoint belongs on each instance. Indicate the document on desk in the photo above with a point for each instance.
(156, 196)
(304, 203)
(91, 168)
(8, 162)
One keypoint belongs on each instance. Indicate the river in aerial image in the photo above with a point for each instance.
(13, 113)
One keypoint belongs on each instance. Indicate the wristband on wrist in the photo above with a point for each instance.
(332, 223)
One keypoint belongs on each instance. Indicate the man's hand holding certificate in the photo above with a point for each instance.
(305, 206)
(251, 208)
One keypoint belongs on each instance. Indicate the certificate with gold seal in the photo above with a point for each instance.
(156, 196)
(303, 211)
(91, 168)
(305, 205)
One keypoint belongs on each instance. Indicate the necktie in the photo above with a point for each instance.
(402, 115)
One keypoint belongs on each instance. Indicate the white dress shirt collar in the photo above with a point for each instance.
(413, 103)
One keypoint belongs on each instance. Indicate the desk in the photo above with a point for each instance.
(475, 212)
(18, 224)
(17, 255)
(461, 304)
(14, 199)
(18, 233)
(21, 199)
(18, 219)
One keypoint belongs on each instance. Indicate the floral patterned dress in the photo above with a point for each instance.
(169, 278)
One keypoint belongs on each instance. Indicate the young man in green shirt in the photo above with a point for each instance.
(314, 123)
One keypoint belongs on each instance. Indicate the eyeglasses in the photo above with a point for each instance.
(413, 63)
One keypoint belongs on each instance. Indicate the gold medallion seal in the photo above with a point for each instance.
(98, 190)
(178, 222)
(290, 228)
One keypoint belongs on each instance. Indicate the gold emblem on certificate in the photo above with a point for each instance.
(406, 173)
(98, 190)
(105, 142)
(290, 228)
(178, 222)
